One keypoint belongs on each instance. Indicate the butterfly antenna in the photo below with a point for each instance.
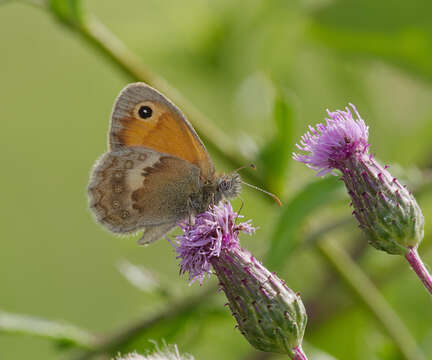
(246, 166)
(264, 191)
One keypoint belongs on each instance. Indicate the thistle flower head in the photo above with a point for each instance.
(212, 231)
(329, 146)
(268, 313)
(385, 210)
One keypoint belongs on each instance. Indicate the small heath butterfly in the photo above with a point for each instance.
(157, 171)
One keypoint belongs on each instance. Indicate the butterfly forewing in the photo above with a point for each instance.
(162, 127)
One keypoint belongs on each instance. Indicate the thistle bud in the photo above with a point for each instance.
(268, 313)
(385, 210)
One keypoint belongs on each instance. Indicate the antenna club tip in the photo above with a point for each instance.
(246, 166)
(273, 196)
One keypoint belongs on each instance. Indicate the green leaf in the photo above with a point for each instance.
(286, 236)
(357, 28)
(69, 12)
(275, 155)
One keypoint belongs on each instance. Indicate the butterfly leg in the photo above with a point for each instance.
(190, 210)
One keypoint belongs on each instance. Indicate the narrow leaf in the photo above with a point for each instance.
(287, 231)
(275, 155)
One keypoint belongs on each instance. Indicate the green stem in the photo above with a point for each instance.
(61, 332)
(371, 298)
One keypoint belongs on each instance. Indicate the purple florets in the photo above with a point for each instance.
(329, 146)
(213, 231)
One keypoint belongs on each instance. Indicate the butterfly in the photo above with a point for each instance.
(157, 172)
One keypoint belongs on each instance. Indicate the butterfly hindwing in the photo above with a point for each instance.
(153, 233)
(136, 187)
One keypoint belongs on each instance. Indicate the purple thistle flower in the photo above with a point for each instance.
(330, 146)
(268, 313)
(213, 231)
(385, 210)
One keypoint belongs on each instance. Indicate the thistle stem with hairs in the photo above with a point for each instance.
(299, 354)
(419, 267)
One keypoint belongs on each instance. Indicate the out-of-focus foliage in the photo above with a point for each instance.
(56, 98)
(274, 157)
(68, 11)
(401, 36)
(293, 216)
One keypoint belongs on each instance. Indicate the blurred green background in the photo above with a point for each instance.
(231, 59)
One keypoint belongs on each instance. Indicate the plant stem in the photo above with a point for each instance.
(420, 269)
(371, 298)
(298, 353)
(100, 37)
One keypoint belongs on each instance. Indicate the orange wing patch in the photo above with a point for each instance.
(162, 128)
(164, 134)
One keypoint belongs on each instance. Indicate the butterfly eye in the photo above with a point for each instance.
(145, 112)
(225, 185)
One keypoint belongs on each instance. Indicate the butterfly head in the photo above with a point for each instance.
(229, 186)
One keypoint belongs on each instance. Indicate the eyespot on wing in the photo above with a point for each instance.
(144, 117)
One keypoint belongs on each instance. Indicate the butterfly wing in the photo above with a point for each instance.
(153, 233)
(134, 188)
(143, 117)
